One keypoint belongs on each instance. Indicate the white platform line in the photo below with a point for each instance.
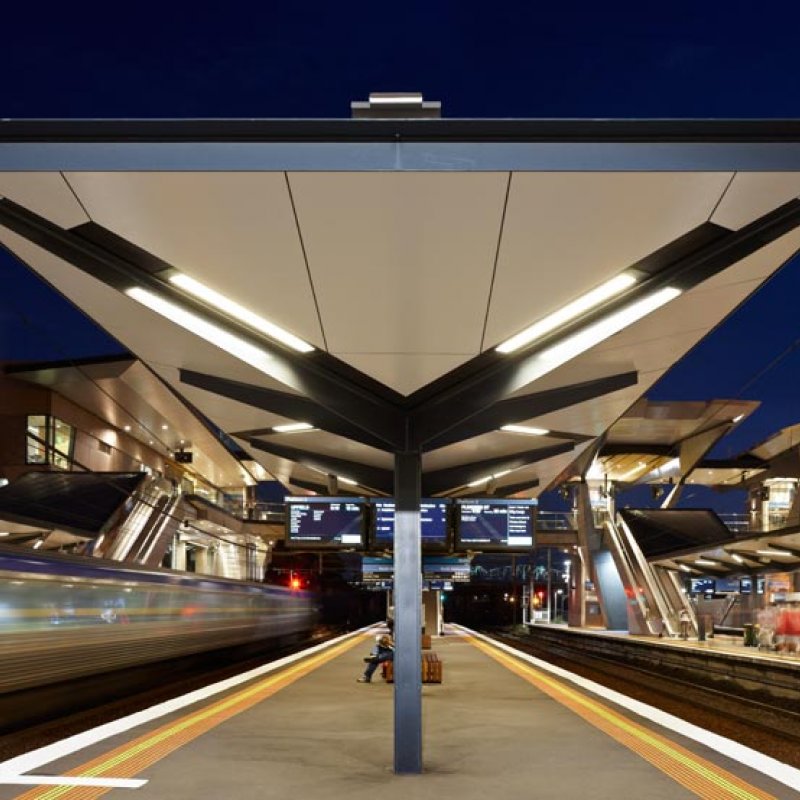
(771, 767)
(44, 755)
(70, 780)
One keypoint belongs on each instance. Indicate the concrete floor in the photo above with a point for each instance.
(487, 733)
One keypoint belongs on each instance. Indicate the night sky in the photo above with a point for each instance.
(710, 60)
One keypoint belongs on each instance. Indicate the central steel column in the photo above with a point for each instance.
(407, 617)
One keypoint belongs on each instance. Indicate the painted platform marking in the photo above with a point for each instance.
(133, 757)
(705, 779)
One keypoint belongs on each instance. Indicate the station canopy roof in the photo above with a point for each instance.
(402, 254)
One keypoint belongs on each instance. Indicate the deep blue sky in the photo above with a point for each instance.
(680, 59)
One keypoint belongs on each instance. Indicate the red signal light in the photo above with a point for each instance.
(296, 583)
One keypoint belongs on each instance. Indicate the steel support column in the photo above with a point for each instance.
(407, 617)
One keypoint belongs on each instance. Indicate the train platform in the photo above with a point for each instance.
(723, 644)
(501, 723)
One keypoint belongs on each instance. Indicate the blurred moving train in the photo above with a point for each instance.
(65, 617)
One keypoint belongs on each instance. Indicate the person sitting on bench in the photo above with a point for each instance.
(384, 651)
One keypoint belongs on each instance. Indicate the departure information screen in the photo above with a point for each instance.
(324, 522)
(495, 523)
(432, 517)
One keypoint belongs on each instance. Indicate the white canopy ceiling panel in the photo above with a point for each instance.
(653, 355)
(485, 446)
(154, 339)
(46, 194)
(401, 262)
(567, 233)
(696, 309)
(234, 232)
(753, 194)
(278, 468)
(757, 266)
(403, 373)
(590, 419)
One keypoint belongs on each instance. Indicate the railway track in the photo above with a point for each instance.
(770, 728)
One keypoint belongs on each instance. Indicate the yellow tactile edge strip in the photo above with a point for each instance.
(131, 758)
(705, 779)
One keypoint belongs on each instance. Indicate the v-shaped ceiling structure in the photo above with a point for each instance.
(403, 253)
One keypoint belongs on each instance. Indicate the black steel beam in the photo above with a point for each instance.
(288, 405)
(518, 409)
(492, 377)
(681, 131)
(365, 475)
(443, 480)
(318, 376)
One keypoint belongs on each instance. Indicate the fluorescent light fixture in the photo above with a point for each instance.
(567, 313)
(38, 544)
(292, 427)
(684, 567)
(240, 313)
(704, 562)
(346, 480)
(237, 347)
(782, 553)
(490, 477)
(127, 427)
(5, 533)
(737, 558)
(738, 418)
(608, 326)
(525, 429)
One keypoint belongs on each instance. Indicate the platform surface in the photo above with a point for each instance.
(496, 727)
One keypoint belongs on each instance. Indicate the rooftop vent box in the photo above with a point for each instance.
(396, 105)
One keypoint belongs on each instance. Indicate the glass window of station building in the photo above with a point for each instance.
(50, 441)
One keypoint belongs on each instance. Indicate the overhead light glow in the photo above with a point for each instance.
(526, 429)
(346, 480)
(704, 562)
(490, 477)
(240, 313)
(737, 558)
(738, 418)
(292, 427)
(782, 553)
(237, 347)
(5, 533)
(567, 313)
(684, 567)
(38, 544)
(608, 326)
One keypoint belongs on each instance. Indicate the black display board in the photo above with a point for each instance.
(490, 524)
(434, 517)
(325, 522)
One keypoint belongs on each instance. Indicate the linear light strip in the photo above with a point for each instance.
(293, 427)
(568, 312)
(526, 429)
(241, 313)
(602, 330)
(490, 477)
(237, 347)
